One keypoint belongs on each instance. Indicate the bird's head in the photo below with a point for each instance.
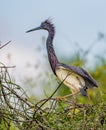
(46, 25)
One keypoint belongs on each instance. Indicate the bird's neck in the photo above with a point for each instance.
(51, 53)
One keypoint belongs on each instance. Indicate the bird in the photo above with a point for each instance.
(74, 77)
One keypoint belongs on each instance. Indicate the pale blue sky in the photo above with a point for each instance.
(76, 20)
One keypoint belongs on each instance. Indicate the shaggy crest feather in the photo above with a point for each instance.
(51, 25)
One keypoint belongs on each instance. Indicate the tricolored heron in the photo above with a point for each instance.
(76, 78)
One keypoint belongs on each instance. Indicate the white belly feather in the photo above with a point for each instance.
(71, 79)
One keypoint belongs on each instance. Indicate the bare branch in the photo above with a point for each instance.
(5, 44)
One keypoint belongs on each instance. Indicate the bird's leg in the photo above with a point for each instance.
(75, 101)
(60, 98)
(64, 97)
(89, 99)
(72, 94)
(69, 95)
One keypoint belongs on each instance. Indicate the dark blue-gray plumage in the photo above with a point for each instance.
(76, 78)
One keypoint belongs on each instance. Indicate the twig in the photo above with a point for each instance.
(5, 44)
(7, 66)
(19, 97)
(51, 95)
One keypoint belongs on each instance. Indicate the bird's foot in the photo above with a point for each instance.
(60, 98)
(64, 97)
(69, 95)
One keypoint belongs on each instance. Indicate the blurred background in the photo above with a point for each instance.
(79, 40)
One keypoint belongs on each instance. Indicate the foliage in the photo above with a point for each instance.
(18, 112)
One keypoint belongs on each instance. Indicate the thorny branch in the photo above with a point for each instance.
(16, 108)
(4, 45)
(51, 95)
(14, 103)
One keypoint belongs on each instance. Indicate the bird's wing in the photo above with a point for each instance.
(71, 79)
(90, 82)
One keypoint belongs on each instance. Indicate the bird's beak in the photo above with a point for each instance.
(33, 29)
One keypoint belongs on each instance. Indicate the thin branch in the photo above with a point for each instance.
(5, 44)
(51, 95)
